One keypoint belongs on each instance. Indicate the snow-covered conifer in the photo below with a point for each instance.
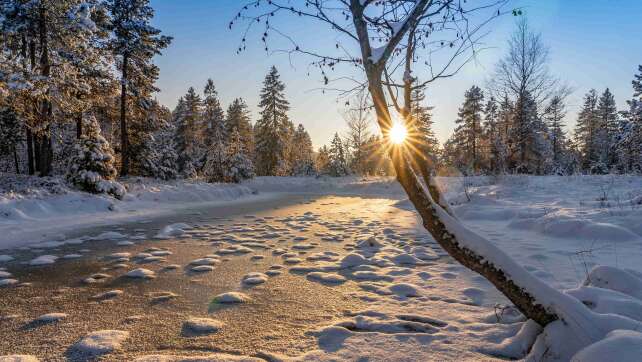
(92, 167)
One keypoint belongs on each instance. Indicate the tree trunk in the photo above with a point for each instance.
(46, 152)
(15, 159)
(124, 139)
(30, 164)
(427, 208)
(79, 125)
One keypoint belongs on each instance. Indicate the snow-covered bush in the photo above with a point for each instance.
(91, 167)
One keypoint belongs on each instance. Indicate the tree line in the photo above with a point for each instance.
(518, 124)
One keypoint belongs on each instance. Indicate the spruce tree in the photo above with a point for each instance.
(159, 159)
(303, 155)
(337, 163)
(91, 168)
(238, 117)
(529, 135)
(213, 116)
(496, 149)
(469, 126)
(136, 42)
(608, 127)
(271, 131)
(554, 117)
(629, 142)
(422, 134)
(239, 165)
(586, 132)
(188, 114)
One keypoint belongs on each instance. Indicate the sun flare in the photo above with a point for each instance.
(398, 133)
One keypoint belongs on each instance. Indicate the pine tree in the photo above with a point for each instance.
(493, 141)
(629, 141)
(303, 155)
(529, 133)
(337, 164)
(608, 127)
(322, 160)
(238, 117)
(213, 116)
(188, 115)
(136, 42)
(422, 134)
(271, 131)
(216, 164)
(159, 159)
(586, 133)
(469, 131)
(554, 117)
(92, 167)
(239, 165)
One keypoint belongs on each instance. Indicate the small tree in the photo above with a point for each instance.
(159, 158)
(239, 165)
(92, 167)
(337, 165)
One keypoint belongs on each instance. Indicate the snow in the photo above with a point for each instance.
(231, 298)
(619, 345)
(44, 260)
(18, 358)
(202, 325)
(101, 342)
(141, 273)
(50, 318)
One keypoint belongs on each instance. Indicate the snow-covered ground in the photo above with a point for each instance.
(417, 303)
(35, 210)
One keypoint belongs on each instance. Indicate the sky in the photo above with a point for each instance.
(593, 44)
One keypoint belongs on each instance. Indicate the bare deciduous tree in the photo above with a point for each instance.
(391, 36)
(357, 118)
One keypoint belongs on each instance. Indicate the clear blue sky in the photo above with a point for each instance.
(594, 44)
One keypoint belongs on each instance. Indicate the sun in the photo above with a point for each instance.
(398, 133)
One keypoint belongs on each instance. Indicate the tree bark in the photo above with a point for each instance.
(46, 152)
(30, 164)
(124, 139)
(15, 159)
(79, 125)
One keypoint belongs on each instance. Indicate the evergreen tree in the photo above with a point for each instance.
(136, 42)
(238, 117)
(188, 115)
(303, 155)
(322, 160)
(493, 142)
(337, 164)
(422, 134)
(608, 127)
(587, 133)
(159, 159)
(554, 117)
(92, 167)
(629, 141)
(271, 131)
(238, 165)
(469, 131)
(529, 135)
(213, 116)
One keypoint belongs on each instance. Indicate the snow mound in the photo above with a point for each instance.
(141, 273)
(44, 260)
(101, 342)
(50, 318)
(330, 278)
(352, 260)
(202, 325)
(8, 282)
(217, 357)
(19, 358)
(172, 230)
(255, 278)
(619, 345)
(5, 258)
(231, 298)
(202, 268)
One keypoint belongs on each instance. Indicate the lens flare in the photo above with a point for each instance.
(398, 133)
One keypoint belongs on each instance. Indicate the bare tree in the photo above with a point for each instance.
(391, 36)
(524, 70)
(357, 118)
